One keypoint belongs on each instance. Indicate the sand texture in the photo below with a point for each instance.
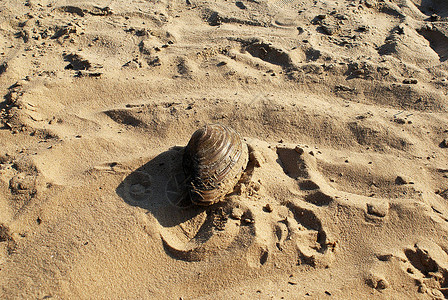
(343, 107)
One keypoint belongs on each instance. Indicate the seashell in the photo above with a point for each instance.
(213, 162)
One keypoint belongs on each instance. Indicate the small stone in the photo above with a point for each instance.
(400, 121)
(344, 88)
(379, 210)
(3, 67)
(377, 282)
(382, 284)
(444, 143)
(237, 213)
(401, 180)
(249, 221)
(362, 28)
(410, 81)
(268, 208)
(384, 257)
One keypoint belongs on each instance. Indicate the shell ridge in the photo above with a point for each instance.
(214, 160)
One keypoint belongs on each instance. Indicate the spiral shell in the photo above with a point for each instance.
(213, 161)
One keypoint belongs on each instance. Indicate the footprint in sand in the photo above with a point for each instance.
(208, 233)
(253, 223)
(427, 263)
(138, 186)
(7, 243)
(243, 223)
(285, 21)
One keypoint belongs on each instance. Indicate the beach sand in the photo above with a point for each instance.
(343, 106)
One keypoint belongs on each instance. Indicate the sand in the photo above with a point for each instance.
(343, 106)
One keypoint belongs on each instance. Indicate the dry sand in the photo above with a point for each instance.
(343, 105)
